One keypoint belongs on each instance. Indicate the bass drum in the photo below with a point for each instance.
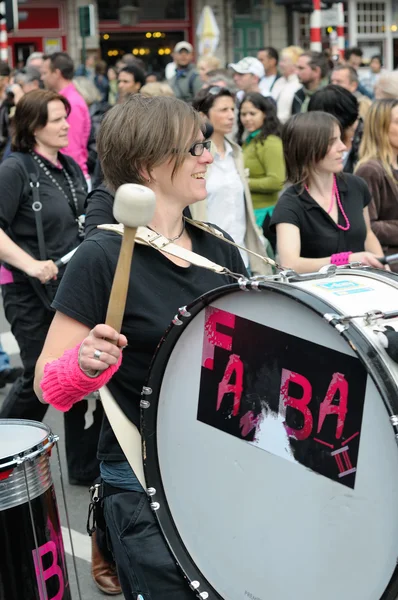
(270, 440)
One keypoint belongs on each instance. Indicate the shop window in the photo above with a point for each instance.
(148, 11)
(370, 17)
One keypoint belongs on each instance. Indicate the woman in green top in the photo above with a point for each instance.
(263, 156)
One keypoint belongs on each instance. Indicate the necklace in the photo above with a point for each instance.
(336, 196)
(173, 239)
(55, 182)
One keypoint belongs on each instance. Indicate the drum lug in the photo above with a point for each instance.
(184, 312)
(195, 585)
(394, 420)
(330, 317)
(145, 404)
(176, 321)
(243, 283)
(151, 491)
(146, 391)
(155, 506)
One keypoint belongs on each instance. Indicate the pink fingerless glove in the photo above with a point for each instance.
(64, 383)
(342, 258)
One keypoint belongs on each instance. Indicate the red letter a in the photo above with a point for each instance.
(340, 384)
(234, 365)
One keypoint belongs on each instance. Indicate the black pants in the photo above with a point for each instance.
(30, 321)
(144, 562)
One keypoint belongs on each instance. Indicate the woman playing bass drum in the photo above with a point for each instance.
(157, 142)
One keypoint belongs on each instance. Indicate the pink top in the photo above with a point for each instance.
(80, 126)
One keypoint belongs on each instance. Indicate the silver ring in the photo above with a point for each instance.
(97, 354)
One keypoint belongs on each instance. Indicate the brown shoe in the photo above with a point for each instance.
(103, 572)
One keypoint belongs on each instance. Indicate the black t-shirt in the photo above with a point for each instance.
(59, 221)
(319, 234)
(157, 288)
(99, 210)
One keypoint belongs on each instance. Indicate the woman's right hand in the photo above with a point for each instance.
(44, 270)
(366, 258)
(97, 353)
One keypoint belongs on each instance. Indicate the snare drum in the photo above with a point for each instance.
(269, 423)
(32, 557)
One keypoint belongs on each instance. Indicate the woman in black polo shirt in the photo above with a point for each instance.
(29, 276)
(323, 217)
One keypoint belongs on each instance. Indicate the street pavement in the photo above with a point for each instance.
(77, 497)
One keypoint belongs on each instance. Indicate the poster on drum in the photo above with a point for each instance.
(293, 398)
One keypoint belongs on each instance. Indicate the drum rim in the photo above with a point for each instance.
(353, 335)
(13, 460)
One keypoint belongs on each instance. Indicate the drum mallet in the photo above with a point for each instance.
(134, 206)
(386, 260)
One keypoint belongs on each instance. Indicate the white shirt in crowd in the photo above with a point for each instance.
(226, 199)
(266, 83)
(283, 94)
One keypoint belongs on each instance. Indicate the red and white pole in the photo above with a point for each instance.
(315, 27)
(340, 30)
(3, 34)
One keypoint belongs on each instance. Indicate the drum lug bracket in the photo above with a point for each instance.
(195, 585)
(394, 420)
(335, 320)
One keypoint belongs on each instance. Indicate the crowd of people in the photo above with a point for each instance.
(288, 154)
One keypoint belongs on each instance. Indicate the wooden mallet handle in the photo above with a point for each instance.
(117, 299)
(134, 206)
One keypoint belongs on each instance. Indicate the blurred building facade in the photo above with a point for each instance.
(150, 29)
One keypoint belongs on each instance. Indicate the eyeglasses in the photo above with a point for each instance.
(197, 148)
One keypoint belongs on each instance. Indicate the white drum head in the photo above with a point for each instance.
(18, 436)
(290, 503)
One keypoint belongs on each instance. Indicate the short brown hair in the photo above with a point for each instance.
(317, 59)
(306, 140)
(31, 113)
(63, 62)
(143, 133)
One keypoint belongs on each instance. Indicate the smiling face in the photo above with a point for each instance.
(333, 161)
(54, 134)
(222, 115)
(252, 118)
(188, 184)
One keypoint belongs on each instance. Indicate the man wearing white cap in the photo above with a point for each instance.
(186, 82)
(247, 74)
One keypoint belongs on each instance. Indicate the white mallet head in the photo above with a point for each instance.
(134, 205)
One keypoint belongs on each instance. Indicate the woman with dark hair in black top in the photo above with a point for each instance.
(29, 275)
(323, 218)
